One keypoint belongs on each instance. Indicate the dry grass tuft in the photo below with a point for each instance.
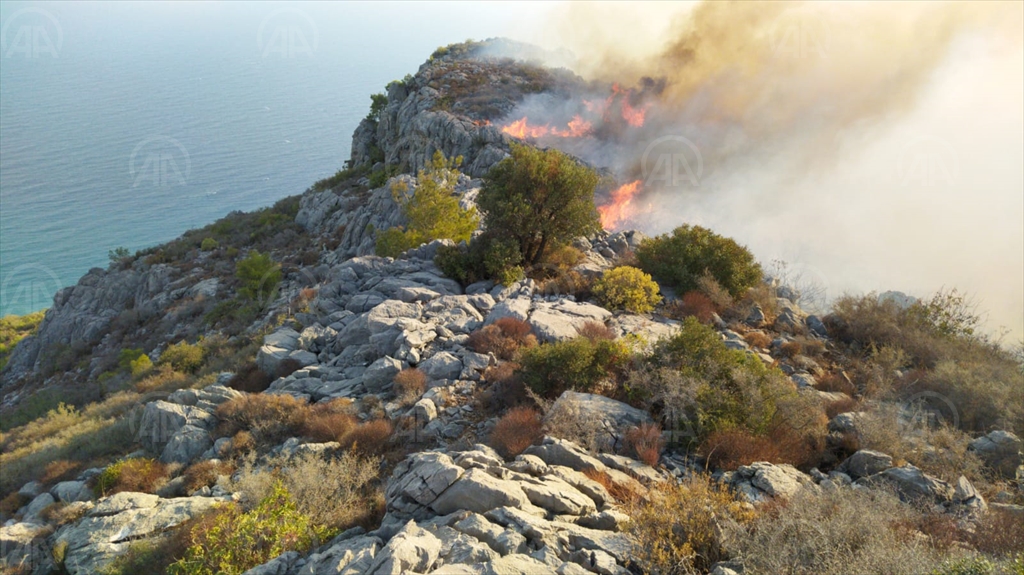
(410, 384)
(518, 429)
(644, 443)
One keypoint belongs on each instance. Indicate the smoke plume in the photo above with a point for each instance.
(872, 146)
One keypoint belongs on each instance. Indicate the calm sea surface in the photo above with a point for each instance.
(126, 124)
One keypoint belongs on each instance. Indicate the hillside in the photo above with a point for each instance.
(508, 389)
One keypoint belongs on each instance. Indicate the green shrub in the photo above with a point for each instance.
(377, 104)
(235, 542)
(679, 259)
(126, 356)
(539, 199)
(260, 276)
(141, 475)
(140, 365)
(209, 244)
(701, 384)
(183, 357)
(433, 211)
(972, 565)
(627, 288)
(578, 364)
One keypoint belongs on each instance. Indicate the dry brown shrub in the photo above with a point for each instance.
(698, 305)
(370, 438)
(410, 384)
(595, 331)
(60, 470)
(269, 418)
(204, 474)
(731, 449)
(323, 426)
(791, 349)
(718, 295)
(1000, 532)
(645, 443)
(812, 347)
(242, 443)
(504, 338)
(845, 405)
(12, 503)
(568, 420)
(504, 371)
(758, 339)
(837, 382)
(518, 429)
(250, 379)
(622, 492)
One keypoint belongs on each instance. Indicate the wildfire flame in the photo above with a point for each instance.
(621, 207)
(577, 127)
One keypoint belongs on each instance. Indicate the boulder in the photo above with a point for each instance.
(517, 308)
(615, 417)
(381, 373)
(1000, 450)
(443, 365)
(554, 451)
(186, 444)
(417, 481)
(349, 556)
(411, 550)
(24, 548)
(161, 420)
(762, 478)
(912, 484)
(71, 491)
(865, 462)
(479, 491)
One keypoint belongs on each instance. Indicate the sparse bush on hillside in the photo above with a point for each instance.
(183, 357)
(209, 244)
(141, 474)
(260, 276)
(578, 364)
(644, 443)
(832, 533)
(432, 210)
(627, 288)
(504, 338)
(679, 259)
(369, 438)
(335, 492)
(14, 328)
(237, 541)
(269, 418)
(410, 384)
(518, 429)
(679, 528)
(595, 331)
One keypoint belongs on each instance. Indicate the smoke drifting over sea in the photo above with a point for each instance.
(871, 146)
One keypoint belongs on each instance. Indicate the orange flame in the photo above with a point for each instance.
(620, 208)
(577, 127)
(633, 116)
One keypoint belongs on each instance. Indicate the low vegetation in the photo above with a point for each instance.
(518, 429)
(680, 259)
(578, 364)
(14, 328)
(627, 288)
(432, 210)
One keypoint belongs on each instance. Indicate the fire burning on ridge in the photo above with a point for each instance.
(577, 128)
(621, 206)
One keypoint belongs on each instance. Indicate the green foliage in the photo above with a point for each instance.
(118, 255)
(183, 357)
(260, 276)
(679, 259)
(236, 542)
(377, 104)
(578, 364)
(709, 386)
(129, 475)
(380, 177)
(433, 211)
(31, 408)
(540, 199)
(126, 356)
(209, 244)
(14, 328)
(627, 288)
(140, 365)
(952, 314)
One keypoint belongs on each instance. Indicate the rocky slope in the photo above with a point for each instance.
(452, 504)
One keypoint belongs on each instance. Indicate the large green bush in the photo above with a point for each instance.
(540, 199)
(679, 259)
(260, 276)
(235, 541)
(433, 211)
(578, 364)
(627, 288)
